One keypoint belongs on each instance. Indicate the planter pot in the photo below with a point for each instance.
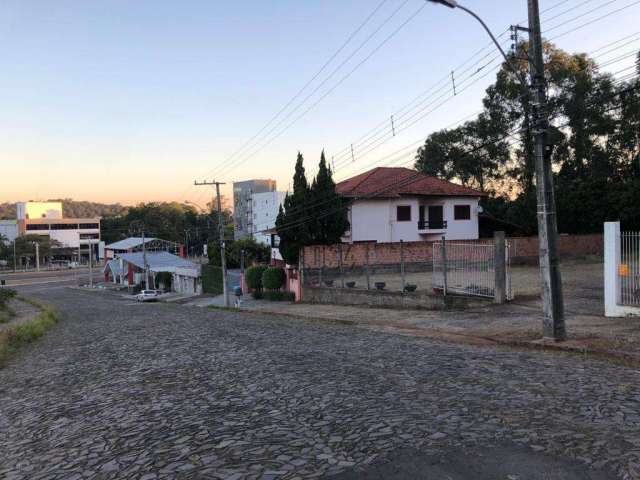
(410, 288)
(329, 283)
(380, 285)
(350, 284)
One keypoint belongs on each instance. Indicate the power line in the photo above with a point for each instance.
(511, 133)
(244, 158)
(590, 22)
(351, 36)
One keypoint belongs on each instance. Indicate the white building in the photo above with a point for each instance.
(393, 204)
(46, 218)
(9, 229)
(264, 211)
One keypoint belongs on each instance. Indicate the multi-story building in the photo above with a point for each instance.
(264, 211)
(78, 235)
(242, 204)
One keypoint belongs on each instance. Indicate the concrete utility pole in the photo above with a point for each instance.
(223, 256)
(552, 301)
(144, 262)
(553, 326)
(90, 263)
(37, 256)
(14, 257)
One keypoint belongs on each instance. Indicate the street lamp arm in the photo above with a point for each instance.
(454, 4)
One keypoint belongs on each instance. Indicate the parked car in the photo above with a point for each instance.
(147, 296)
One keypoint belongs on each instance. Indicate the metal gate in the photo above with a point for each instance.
(468, 269)
(629, 269)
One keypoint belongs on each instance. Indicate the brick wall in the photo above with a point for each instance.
(522, 248)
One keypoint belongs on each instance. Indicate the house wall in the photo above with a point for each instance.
(376, 220)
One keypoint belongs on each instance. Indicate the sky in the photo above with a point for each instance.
(121, 101)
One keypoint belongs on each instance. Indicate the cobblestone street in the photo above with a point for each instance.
(125, 390)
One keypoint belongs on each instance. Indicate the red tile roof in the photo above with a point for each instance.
(393, 182)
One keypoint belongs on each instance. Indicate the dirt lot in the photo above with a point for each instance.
(518, 322)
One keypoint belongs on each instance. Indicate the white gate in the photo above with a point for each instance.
(468, 269)
(621, 271)
(629, 269)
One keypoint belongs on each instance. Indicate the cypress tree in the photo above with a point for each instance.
(292, 222)
(328, 209)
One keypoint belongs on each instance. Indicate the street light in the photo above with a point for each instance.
(553, 304)
(454, 4)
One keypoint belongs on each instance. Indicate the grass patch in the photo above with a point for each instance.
(6, 312)
(14, 338)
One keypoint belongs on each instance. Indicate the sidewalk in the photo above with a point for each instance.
(518, 323)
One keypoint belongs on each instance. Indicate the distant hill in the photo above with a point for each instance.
(71, 209)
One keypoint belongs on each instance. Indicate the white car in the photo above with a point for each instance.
(147, 296)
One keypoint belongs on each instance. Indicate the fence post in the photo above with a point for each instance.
(611, 262)
(301, 268)
(500, 268)
(402, 275)
(340, 265)
(444, 266)
(366, 257)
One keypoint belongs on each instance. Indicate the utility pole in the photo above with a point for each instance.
(553, 305)
(144, 262)
(90, 264)
(553, 325)
(223, 256)
(14, 256)
(37, 256)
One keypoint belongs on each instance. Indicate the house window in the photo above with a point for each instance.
(462, 212)
(403, 213)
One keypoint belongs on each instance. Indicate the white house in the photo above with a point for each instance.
(264, 211)
(393, 204)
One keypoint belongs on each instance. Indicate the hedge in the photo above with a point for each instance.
(253, 276)
(273, 278)
(212, 279)
(279, 296)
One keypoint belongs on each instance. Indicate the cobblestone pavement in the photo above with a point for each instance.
(126, 390)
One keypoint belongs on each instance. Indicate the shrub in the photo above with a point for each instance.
(6, 294)
(257, 294)
(279, 296)
(253, 276)
(212, 279)
(273, 278)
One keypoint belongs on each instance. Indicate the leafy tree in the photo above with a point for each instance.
(254, 252)
(594, 142)
(173, 221)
